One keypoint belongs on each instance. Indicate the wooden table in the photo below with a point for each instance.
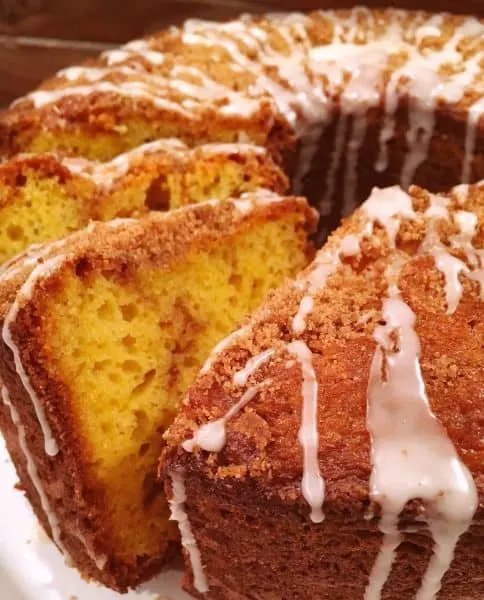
(38, 37)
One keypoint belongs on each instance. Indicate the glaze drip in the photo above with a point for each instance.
(98, 560)
(189, 543)
(33, 473)
(388, 207)
(212, 436)
(313, 487)
(476, 113)
(221, 346)
(412, 456)
(105, 174)
(450, 266)
(41, 270)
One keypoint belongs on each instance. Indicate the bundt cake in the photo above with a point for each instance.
(348, 99)
(45, 196)
(332, 448)
(102, 332)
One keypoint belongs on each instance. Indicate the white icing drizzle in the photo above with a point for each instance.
(33, 473)
(101, 560)
(446, 534)
(467, 223)
(252, 365)
(421, 80)
(230, 148)
(412, 456)
(93, 74)
(360, 94)
(113, 224)
(421, 122)
(223, 345)
(312, 486)
(476, 111)
(324, 265)
(363, 64)
(248, 201)
(350, 245)
(133, 49)
(104, 174)
(135, 89)
(461, 193)
(212, 436)
(438, 208)
(450, 266)
(305, 307)
(365, 317)
(189, 543)
(40, 271)
(387, 207)
(298, 96)
(432, 28)
(152, 86)
(6, 270)
(30, 257)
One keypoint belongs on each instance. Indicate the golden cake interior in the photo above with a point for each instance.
(40, 200)
(128, 346)
(35, 208)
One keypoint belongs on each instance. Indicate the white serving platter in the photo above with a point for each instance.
(31, 567)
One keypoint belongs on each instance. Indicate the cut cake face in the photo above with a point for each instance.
(102, 334)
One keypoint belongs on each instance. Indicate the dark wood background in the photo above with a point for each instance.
(38, 37)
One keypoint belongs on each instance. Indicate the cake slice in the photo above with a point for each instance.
(102, 333)
(333, 447)
(45, 197)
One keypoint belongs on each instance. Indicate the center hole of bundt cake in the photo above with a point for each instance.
(129, 341)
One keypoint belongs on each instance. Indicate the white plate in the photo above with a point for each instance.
(31, 568)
